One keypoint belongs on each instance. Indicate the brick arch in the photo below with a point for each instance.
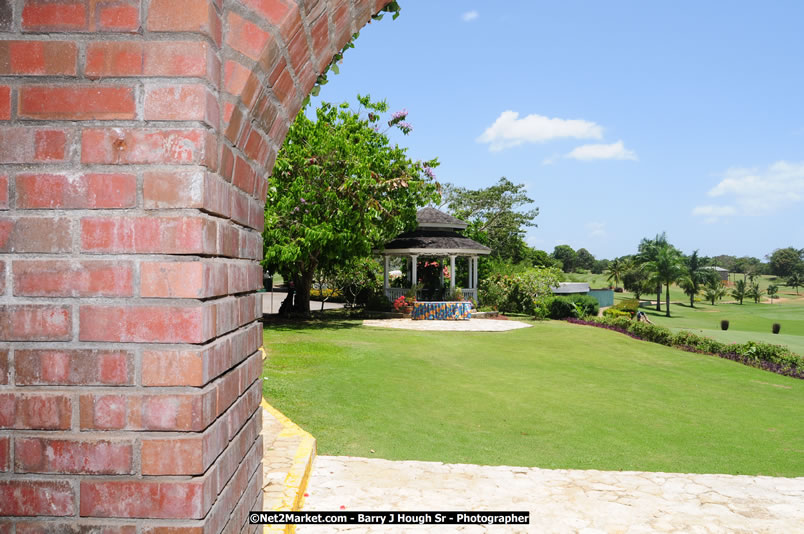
(135, 141)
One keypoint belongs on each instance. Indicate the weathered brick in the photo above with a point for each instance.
(5, 102)
(93, 457)
(3, 194)
(84, 191)
(282, 84)
(284, 15)
(5, 453)
(298, 51)
(185, 16)
(34, 322)
(4, 368)
(181, 103)
(234, 77)
(76, 102)
(115, 15)
(73, 367)
(147, 324)
(6, 15)
(186, 189)
(167, 235)
(197, 367)
(246, 37)
(72, 527)
(39, 411)
(244, 176)
(36, 498)
(120, 146)
(60, 15)
(35, 234)
(194, 59)
(72, 278)
(114, 58)
(34, 145)
(140, 498)
(194, 280)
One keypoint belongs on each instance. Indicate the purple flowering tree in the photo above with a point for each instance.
(339, 189)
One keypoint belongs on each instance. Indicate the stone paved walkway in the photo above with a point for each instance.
(559, 501)
(472, 325)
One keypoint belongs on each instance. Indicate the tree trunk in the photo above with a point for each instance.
(692, 300)
(659, 298)
(303, 282)
(667, 301)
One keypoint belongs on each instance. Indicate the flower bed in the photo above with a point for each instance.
(774, 358)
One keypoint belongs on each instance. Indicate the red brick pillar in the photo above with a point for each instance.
(135, 141)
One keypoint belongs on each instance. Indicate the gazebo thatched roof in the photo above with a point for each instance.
(436, 235)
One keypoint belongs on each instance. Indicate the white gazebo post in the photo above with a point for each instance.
(452, 272)
(385, 283)
(474, 272)
(413, 274)
(470, 264)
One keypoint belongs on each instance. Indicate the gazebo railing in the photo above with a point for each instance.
(394, 293)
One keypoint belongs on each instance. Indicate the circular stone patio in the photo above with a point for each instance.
(472, 325)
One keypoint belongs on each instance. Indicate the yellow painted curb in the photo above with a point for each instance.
(298, 474)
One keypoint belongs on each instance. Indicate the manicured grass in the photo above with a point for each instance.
(554, 396)
(747, 322)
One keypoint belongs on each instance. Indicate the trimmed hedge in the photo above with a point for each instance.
(775, 358)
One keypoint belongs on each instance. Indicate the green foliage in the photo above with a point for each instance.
(772, 291)
(740, 290)
(795, 280)
(617, 269)
(338, 189)
(630, 306)
(578, 306)
(567, 256)
(665, 268)
(495, 216)
(614, 313)
(525, 292)
(754, 292)
(585, 259)
(786, 261)
(766, 352)
(714, 290)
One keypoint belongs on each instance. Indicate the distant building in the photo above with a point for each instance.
(604, 297)
(723, 273)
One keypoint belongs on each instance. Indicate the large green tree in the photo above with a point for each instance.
(340, 188)
(567, 256)
(498, 216)
(785, 261)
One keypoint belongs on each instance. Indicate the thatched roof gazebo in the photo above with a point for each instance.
(437, 235)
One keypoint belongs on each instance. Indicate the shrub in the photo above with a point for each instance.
(630, 305)
(775, 358)
(612, 312)
(776, 328)
(524, 292)
(724, 324)
(578, 306)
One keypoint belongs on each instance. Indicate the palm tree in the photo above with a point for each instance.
(648, 248)
(754, 292)
(795, 280)
(715, 290)
(740, 290)
(693, 277)
(616, 271)
(665, 269)
(772, 290)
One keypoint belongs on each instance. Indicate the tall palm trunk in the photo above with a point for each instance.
(667, 301)
(659, 298)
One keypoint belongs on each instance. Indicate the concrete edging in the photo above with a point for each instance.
(298, 474)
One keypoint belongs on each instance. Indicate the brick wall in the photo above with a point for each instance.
(135, 140)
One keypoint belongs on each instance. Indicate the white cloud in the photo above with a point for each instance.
(510, 131)
(596, 229)
(470, 16)
(757, 191)
(613, 151)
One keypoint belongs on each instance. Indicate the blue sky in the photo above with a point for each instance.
(623, 119)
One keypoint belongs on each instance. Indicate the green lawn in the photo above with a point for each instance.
(747, 322)
(554, 396)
